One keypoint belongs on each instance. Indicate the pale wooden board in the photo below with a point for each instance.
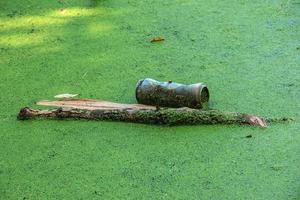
(90, 104)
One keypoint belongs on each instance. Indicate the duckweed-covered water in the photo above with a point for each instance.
(247, 52)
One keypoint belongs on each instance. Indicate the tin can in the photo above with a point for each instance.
(169, 94)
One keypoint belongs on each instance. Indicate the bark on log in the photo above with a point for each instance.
(102, 110)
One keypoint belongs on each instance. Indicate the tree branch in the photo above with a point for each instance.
(138, 113)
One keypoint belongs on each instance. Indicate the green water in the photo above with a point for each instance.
(248, 52)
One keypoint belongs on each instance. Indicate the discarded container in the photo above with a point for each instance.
(169, 94)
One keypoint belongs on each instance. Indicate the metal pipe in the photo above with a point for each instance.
(169, 94)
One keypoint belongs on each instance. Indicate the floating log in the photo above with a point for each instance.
(103, 110)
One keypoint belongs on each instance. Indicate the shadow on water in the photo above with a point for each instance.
(94, 3)
(55, 40)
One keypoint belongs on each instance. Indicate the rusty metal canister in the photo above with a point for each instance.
(169, 94)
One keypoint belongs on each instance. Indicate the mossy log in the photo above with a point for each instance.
(102, 110)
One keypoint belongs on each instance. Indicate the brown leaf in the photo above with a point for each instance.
(158, 39)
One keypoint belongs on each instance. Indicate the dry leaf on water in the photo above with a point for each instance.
(158, 39)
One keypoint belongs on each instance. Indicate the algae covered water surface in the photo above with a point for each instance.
(248, 53)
